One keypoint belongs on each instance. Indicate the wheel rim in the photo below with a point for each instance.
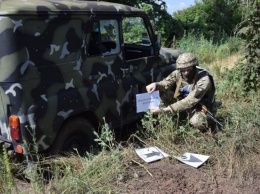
(76, 144)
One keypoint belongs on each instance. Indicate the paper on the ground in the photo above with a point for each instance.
(146, 101)
(151, 154)
(191, 159)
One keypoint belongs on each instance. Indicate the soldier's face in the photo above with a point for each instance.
(186, 71)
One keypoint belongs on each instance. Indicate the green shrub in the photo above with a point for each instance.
(208, 51)
(6, 182)
(223, 51)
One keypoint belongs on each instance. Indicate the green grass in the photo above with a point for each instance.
(207, 51)
(6, 182)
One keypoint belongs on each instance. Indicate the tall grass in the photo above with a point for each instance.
(6, 182)
(234, 149)
(206, 50)
(95, 174)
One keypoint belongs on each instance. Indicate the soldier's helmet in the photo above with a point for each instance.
(186, 60)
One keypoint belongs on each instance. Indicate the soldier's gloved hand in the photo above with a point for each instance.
(157, 110)
(151, 87)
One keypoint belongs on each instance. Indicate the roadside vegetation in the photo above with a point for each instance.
(234, 149)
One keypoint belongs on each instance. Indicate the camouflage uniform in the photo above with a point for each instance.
(200, 90)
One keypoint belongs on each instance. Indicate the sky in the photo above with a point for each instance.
(174, 5)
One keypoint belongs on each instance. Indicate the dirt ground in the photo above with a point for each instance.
(169, 176)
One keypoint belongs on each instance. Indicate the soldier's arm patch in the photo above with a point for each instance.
(202, 86)
(199, 92)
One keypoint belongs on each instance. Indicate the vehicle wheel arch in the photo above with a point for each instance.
(89, 117)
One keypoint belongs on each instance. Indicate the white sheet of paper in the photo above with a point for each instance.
(151, 154)
(146, 101)
(191, 159)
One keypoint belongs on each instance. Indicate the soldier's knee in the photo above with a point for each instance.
(199, 121)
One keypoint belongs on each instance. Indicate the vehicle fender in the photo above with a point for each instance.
(169, 55)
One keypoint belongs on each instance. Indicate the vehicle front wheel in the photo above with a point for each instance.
(76, 136)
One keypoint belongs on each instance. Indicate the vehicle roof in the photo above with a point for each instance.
(10, 7)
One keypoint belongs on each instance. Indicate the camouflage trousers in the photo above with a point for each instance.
(197, 118)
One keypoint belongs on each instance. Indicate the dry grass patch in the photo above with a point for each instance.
(228, 62)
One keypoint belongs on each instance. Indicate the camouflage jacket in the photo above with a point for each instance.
(201, 89)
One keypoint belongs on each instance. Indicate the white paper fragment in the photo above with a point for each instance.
(147, 101)
(191, 159)
(151, 154)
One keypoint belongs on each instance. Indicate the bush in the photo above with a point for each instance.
(206, 50)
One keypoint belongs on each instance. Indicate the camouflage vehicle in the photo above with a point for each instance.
(66, 64)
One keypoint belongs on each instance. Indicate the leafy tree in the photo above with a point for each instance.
(162, 21)
(191, 18)
(251, 33)
(211, 17)
(164, 24)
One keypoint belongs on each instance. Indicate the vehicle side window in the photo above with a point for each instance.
(104, 38)
(137, 43)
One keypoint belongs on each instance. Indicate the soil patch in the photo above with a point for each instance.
(170, 176)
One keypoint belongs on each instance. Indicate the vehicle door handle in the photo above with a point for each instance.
(125, 70)
(131, 69)
(94, 77)
(134, 68)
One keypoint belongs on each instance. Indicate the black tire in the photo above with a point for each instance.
(76, 136)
